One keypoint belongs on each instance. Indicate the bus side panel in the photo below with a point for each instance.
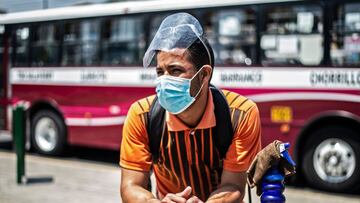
(296, 112)
(93, 115)
(108, 137)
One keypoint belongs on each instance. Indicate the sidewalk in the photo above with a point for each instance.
(55, 180)
(58, 181)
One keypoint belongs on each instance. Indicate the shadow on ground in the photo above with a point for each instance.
(6, 145)
(93, 154)
(86, 154)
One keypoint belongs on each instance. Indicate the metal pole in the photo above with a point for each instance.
(19, 136)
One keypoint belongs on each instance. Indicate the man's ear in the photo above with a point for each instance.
(206, 73)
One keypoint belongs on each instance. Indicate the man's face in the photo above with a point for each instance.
(178, 65)
(174, 64)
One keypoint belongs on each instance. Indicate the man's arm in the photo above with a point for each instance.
(133, 184)
(244, 147)
(135, 157)
(231, 188)
(133, 189)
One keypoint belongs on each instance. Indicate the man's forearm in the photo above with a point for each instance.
(226, 193)
(137, 194)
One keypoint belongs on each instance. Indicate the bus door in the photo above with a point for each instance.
(4, 45)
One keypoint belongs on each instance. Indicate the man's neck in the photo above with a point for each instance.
(192, 116)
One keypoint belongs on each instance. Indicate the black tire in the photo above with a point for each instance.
(324, 140)
(49, 140)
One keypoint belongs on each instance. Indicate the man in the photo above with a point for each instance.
(189, 168)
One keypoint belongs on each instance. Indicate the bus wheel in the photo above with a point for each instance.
(332, 159)
(48, 133)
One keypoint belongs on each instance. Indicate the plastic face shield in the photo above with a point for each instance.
(176, 33)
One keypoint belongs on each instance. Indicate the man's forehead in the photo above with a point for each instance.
(174, 54)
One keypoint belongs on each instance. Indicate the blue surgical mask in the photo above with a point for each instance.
(174, 93)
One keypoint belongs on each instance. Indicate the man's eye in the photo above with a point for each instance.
(159, 72)
(176, 71)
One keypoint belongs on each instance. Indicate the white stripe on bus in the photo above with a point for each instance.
(103, 121)
(290, 78)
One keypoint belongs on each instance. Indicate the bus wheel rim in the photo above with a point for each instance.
(46, 134)
(334, 160)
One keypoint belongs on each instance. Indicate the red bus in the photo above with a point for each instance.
(79, 68)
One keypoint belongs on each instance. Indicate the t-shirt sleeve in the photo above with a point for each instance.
(246, 142)
(135, 151)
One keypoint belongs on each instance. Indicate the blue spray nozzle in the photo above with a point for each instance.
(273, 198)
(284, 153)
(273, 180)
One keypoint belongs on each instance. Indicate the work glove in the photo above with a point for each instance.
(265, 159)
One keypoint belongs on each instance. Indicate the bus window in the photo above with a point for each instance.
(45, 45)
(21, 46)
(292, 36)
(81, 43)
(123, 41)
(155, 23)
(345, 45)
(232, 35)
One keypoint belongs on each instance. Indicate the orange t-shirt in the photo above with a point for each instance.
(188, 156)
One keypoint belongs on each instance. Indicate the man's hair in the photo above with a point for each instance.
(198, 55)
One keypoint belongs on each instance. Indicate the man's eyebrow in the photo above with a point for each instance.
(174, 65)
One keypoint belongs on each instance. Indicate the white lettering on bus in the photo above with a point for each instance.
(147, 76)
(335, 78)
(93, 76)
(250, 77)
(35, 75)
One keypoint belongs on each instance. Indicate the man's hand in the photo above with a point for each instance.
(194, 199)
(231, 189)
(225, 197)
(180, 197)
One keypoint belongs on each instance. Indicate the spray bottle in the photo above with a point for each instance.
(273, 180)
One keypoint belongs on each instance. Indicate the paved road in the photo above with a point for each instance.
(58, 181)
(74, 179)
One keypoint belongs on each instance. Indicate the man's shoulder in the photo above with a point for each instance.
(143, 105)
(238, 101)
